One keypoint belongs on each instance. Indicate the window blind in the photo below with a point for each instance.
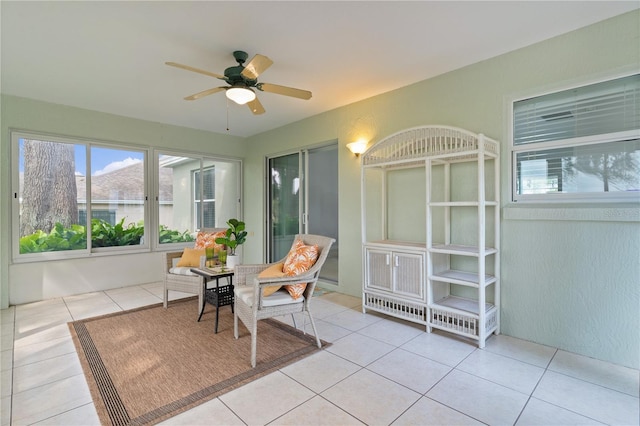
(600, 108)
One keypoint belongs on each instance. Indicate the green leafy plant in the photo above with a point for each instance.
(104, 234)
(168, 236)
(234, 237)
(60, 238)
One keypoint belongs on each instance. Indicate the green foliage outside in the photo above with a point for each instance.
(103, 234)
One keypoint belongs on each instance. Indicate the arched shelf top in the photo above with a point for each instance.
(413, 146)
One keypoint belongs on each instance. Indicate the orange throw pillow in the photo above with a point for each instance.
(273, 271)
(191, 257)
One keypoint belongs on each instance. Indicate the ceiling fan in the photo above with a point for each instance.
(242, 79)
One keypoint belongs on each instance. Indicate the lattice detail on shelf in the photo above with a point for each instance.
(395, 307)
(413, 145)
(462, 323)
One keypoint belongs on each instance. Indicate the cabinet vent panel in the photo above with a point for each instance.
(396, 307)
(409, 276)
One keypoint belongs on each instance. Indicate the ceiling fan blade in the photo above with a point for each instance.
(256, 66)
(205, 93)
(188, 68)
(256, 107)
(284, 90)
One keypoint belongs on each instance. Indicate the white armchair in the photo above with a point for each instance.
(251, 305)
(181, 279)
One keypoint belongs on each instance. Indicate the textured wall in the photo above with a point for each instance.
(567, 281)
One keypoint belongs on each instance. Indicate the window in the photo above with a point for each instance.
(194, 193)
(78, 198)
(204, 196)
(62, 182)
(579, 144)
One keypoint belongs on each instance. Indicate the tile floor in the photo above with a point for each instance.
(378, 371)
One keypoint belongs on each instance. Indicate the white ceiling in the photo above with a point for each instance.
(109, 56)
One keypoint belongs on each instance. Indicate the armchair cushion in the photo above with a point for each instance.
(191, 257)
(246, 294)
(273, 271)
(182, 270)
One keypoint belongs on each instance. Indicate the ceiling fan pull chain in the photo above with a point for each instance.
(227, 115)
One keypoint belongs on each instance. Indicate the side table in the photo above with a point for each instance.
(221, 294)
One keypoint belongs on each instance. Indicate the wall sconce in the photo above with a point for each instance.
(357, 147)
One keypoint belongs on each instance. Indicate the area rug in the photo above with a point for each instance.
(149, 364)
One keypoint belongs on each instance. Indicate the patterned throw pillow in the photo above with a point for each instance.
(208, 239)
(299, 260)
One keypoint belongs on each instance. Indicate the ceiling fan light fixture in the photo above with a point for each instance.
(240, 95)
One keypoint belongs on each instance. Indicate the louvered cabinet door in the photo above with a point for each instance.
(378, 269)
(408, 274)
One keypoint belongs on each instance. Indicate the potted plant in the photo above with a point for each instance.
(234, 237)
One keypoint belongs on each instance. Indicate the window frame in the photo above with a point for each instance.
(206, 161)
(582, 141)
(150, 239)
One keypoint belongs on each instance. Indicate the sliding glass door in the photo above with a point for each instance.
(303, 198)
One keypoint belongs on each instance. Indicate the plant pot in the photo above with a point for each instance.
(232, 261)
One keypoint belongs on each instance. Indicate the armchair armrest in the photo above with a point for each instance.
(168, 259)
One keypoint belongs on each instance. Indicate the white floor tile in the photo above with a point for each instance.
(327, 331)
(479, 398)
(542, 413)
(601, 373)
(359, 349)
(594, 401)
(322, 308)
(50, 400)
(211, 413)
(371, 398)
(392, 331)
(79, 311)
(46, 371)
(342, 299)
(45, 307)
(316, 412)
(39, 329)
(428, 412)
(266, 399)
(6, 360)
(447, 350)
(5, 411)
(6, 383)
(84, 415)
(522, 350)
(352, 320)
(27, 354)
(505, 371)
(363, 377)
(320, 371)
(408, 369)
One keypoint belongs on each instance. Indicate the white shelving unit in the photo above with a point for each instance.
(448, 277)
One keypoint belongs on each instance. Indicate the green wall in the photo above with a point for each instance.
(570, 274)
